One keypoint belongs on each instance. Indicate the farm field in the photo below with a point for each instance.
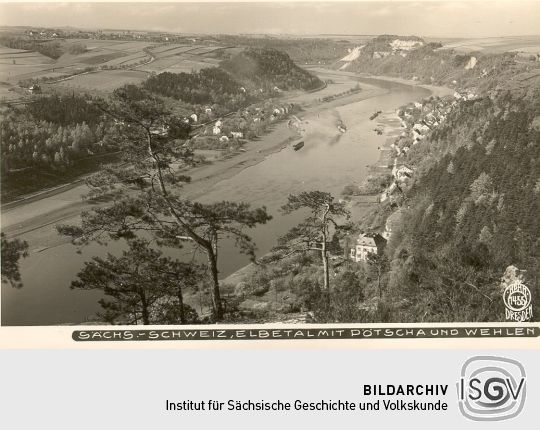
(15, 64)
(168, 50)
(179, 63)
(535, 49)
(19, 57)
(187, 66)
(115, 63)
(125, 59)
(496, 44)
(101, 82)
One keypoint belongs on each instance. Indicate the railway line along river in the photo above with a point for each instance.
(263, 175)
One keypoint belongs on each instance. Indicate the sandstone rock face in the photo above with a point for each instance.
(471, 63)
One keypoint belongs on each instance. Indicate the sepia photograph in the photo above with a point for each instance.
(248, 163)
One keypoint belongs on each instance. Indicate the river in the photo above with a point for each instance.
(328, 161)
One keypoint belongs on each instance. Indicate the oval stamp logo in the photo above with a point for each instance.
(517, 299)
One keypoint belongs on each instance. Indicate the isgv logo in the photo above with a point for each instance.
(491, 388)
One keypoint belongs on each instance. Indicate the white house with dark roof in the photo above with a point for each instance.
(367, 244)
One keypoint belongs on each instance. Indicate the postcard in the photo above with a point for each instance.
(270, 173)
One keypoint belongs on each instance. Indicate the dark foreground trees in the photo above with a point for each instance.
(141, 286)
(142, 197)
(12, 251)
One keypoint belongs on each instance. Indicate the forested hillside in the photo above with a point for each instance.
(269, 68)
(249, 76)
(43, 141)
(51, 133)
(472, 214)
(208, 86)
(413, 58)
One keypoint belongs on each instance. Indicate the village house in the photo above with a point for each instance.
(216, 130)
(367, 244)
(421, 128)
(237, 134)
(193, 117)
(418, 131)
(401, 173)
(390, 191)
(34, 89)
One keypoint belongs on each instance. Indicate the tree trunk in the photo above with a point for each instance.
(208, 246)
(379, 283)
(181, 305)
(144, 308)
(217, 307)
(324, 256)
(324, 252)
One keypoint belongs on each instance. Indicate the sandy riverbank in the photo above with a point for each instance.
(280, 138)
(435, 90)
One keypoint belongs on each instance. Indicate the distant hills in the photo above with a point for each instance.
(431, 63)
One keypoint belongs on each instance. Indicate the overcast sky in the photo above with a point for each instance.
(434, 18)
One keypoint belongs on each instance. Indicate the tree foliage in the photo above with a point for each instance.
(142, 286)
(12, 252)
(146, 197)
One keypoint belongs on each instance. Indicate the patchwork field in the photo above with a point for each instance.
(173, 49)
(11, 59)
(114, 64)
